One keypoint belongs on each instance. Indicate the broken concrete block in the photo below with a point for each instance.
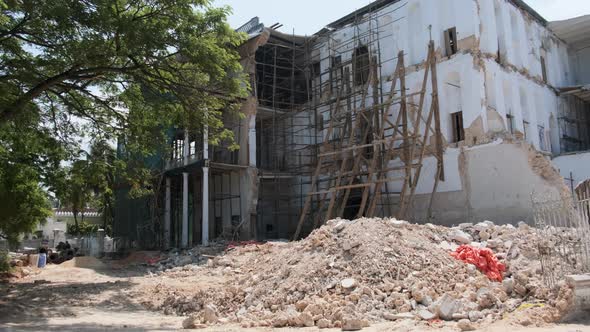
(348, 283)
(474, 316)
(465, 225)
(465, 325)
(460, 237)
(508, 285)
(482, 226)
(352, 324)
(305, 320)
(393, 317)
(189, 323)
(446, 306)
(210, 314)
(425, 314)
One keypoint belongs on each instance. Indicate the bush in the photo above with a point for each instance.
(83, 229)
(4, 261)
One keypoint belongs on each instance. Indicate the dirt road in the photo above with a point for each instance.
(100, 298)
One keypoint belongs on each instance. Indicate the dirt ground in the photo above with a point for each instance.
(104, 297)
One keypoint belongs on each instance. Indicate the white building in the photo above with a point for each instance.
(512, 93)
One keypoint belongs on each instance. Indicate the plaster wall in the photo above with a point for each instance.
(497, 72)
(491, 188)
(581, 59)
(576, 165)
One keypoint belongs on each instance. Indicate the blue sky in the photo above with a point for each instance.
(309, 16)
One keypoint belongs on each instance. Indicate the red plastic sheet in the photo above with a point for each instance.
(484, 259)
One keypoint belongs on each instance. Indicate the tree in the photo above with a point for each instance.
(128, 69)
(29, 155)
(24, 203)
(102, 169)
(76, 193)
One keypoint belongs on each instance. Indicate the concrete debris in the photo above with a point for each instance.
(352, 324)
(348, 283)
(465, 325)
(349, 274)
(461, 237)
(425, 314)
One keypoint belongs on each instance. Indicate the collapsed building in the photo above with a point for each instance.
(444, 112)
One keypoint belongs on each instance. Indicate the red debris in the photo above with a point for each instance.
(484, 259)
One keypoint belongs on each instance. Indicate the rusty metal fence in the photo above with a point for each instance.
(564, 241)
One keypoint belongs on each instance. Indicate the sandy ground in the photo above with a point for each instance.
(96, 297)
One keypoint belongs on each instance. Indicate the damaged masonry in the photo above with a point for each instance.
(398, 109)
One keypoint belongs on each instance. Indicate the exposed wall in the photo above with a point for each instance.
(491, 188)
(576, 165)
(582, 58)
(496, 79)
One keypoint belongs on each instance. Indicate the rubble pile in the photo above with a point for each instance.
(350, 274)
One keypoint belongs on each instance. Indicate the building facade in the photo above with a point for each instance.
(507, 90)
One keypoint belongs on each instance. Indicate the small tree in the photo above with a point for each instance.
(75, 192)
(102, 166)
(24, 204)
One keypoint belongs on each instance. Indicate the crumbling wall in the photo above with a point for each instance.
(574, 167)
(498, 182)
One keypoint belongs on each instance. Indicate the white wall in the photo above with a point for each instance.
(582, 59)
(494, 177)
(576, 165)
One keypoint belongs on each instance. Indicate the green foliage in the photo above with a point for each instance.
(23, 203)
(4, 261)
(82, 229)
(123, 70)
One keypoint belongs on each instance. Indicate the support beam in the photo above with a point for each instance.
(205, 203)
(184, 243)
(167, 214)
(205, 206)
(187, 146)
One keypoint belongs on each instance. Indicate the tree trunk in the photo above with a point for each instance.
(76, 219)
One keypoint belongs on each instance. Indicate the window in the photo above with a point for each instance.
(526, 125)
(316, 69)
(451, 41)
(320, 122)
(361, 65)
(542, 139)
(510, 123)
(458, 130)
(336, 73)
(544, 69)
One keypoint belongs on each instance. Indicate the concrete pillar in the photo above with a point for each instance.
(252, 141)
(167, 215)
(187, 146)
(184, 241)
(205, 205)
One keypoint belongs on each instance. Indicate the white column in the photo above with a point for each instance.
(252, 141)
(184, 210)
(205, 219)
(187, 146)
(167, 217)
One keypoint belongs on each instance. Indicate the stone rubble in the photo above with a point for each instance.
(349, 274)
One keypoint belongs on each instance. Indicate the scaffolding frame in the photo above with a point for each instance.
(325, 140)
(371, 141)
